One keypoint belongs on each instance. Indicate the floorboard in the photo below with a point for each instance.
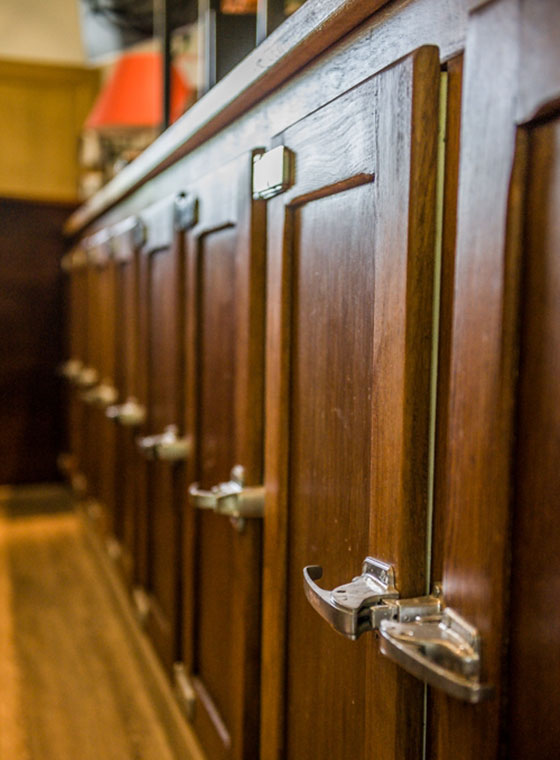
(70, 685)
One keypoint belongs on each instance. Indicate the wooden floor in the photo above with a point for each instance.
(71, 687)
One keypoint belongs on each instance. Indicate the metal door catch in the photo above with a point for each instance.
(272, 172)
(167, 446)
(427, 639)
(233, 499)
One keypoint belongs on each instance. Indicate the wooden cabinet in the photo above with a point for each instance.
(129, 413)
(160, 289)
(371, 336)
(225, 415)
(351, 254)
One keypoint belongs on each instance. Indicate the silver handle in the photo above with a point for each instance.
(167, 446)
(442, 650)
(87, 377)
(353, 608)
(232, 498)
(427, 639)
(104, 395)
(129, 414)
(70, 369)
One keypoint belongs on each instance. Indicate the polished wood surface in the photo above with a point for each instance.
(127, 369)
(76, 313)
(349, 356)
(81, 690)
(475, 497)
(345, 477)
(534, 650)
(31, 314)
(162, 290)
(107, 370)
(225, 304)
(446, 287)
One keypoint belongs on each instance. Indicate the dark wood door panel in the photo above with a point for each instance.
(225, 391)
(162, 482)
(330, 446)
(534, 661)
(31, 307)
(351, 249)
(127, 368)
(164, 347)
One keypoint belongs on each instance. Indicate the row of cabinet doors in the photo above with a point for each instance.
(255, 393)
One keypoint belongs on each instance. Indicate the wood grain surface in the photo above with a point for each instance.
(224, 410)
(535, 648)
(475, 496)
(73, 687)
(348, 334)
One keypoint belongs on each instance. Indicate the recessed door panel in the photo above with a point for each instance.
(535, 649)
(225, 390)
(129, 464)
(215, 458)
(330, 454)
(164, 477)
(350, 283)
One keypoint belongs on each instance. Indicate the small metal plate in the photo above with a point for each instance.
(272, 172)
(127, 236)
(186, 211)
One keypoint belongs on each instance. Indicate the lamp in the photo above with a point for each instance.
(127, 116)
(133, 95)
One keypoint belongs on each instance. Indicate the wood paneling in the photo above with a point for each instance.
(535, 639)
(348, 344)
(225, 381)
(31, 313)
(474, 498)
(162, 289)
(44, 108)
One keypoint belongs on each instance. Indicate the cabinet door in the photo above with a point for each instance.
(535, 648)
(496, 483)
(77, 316)
(349, 288)
(225, 413)
(91, 440)
(129, 414)
(161, 289)
(105, 440)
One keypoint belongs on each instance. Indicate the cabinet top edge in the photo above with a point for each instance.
(308, 32)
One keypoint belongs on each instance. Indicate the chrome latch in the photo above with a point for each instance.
(355, 607)
(233, 499)
(101, 396)
(87, 377)
(129, 414)
(70, 369)
(440, 648)
(185, 214)
(427, 639)
(167, 446)
(272, 172)
(184, 690)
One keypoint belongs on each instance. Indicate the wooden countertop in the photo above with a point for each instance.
(303, 36)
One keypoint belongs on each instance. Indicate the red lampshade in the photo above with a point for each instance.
(133, 95)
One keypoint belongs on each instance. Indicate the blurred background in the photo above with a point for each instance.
(85, 86)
